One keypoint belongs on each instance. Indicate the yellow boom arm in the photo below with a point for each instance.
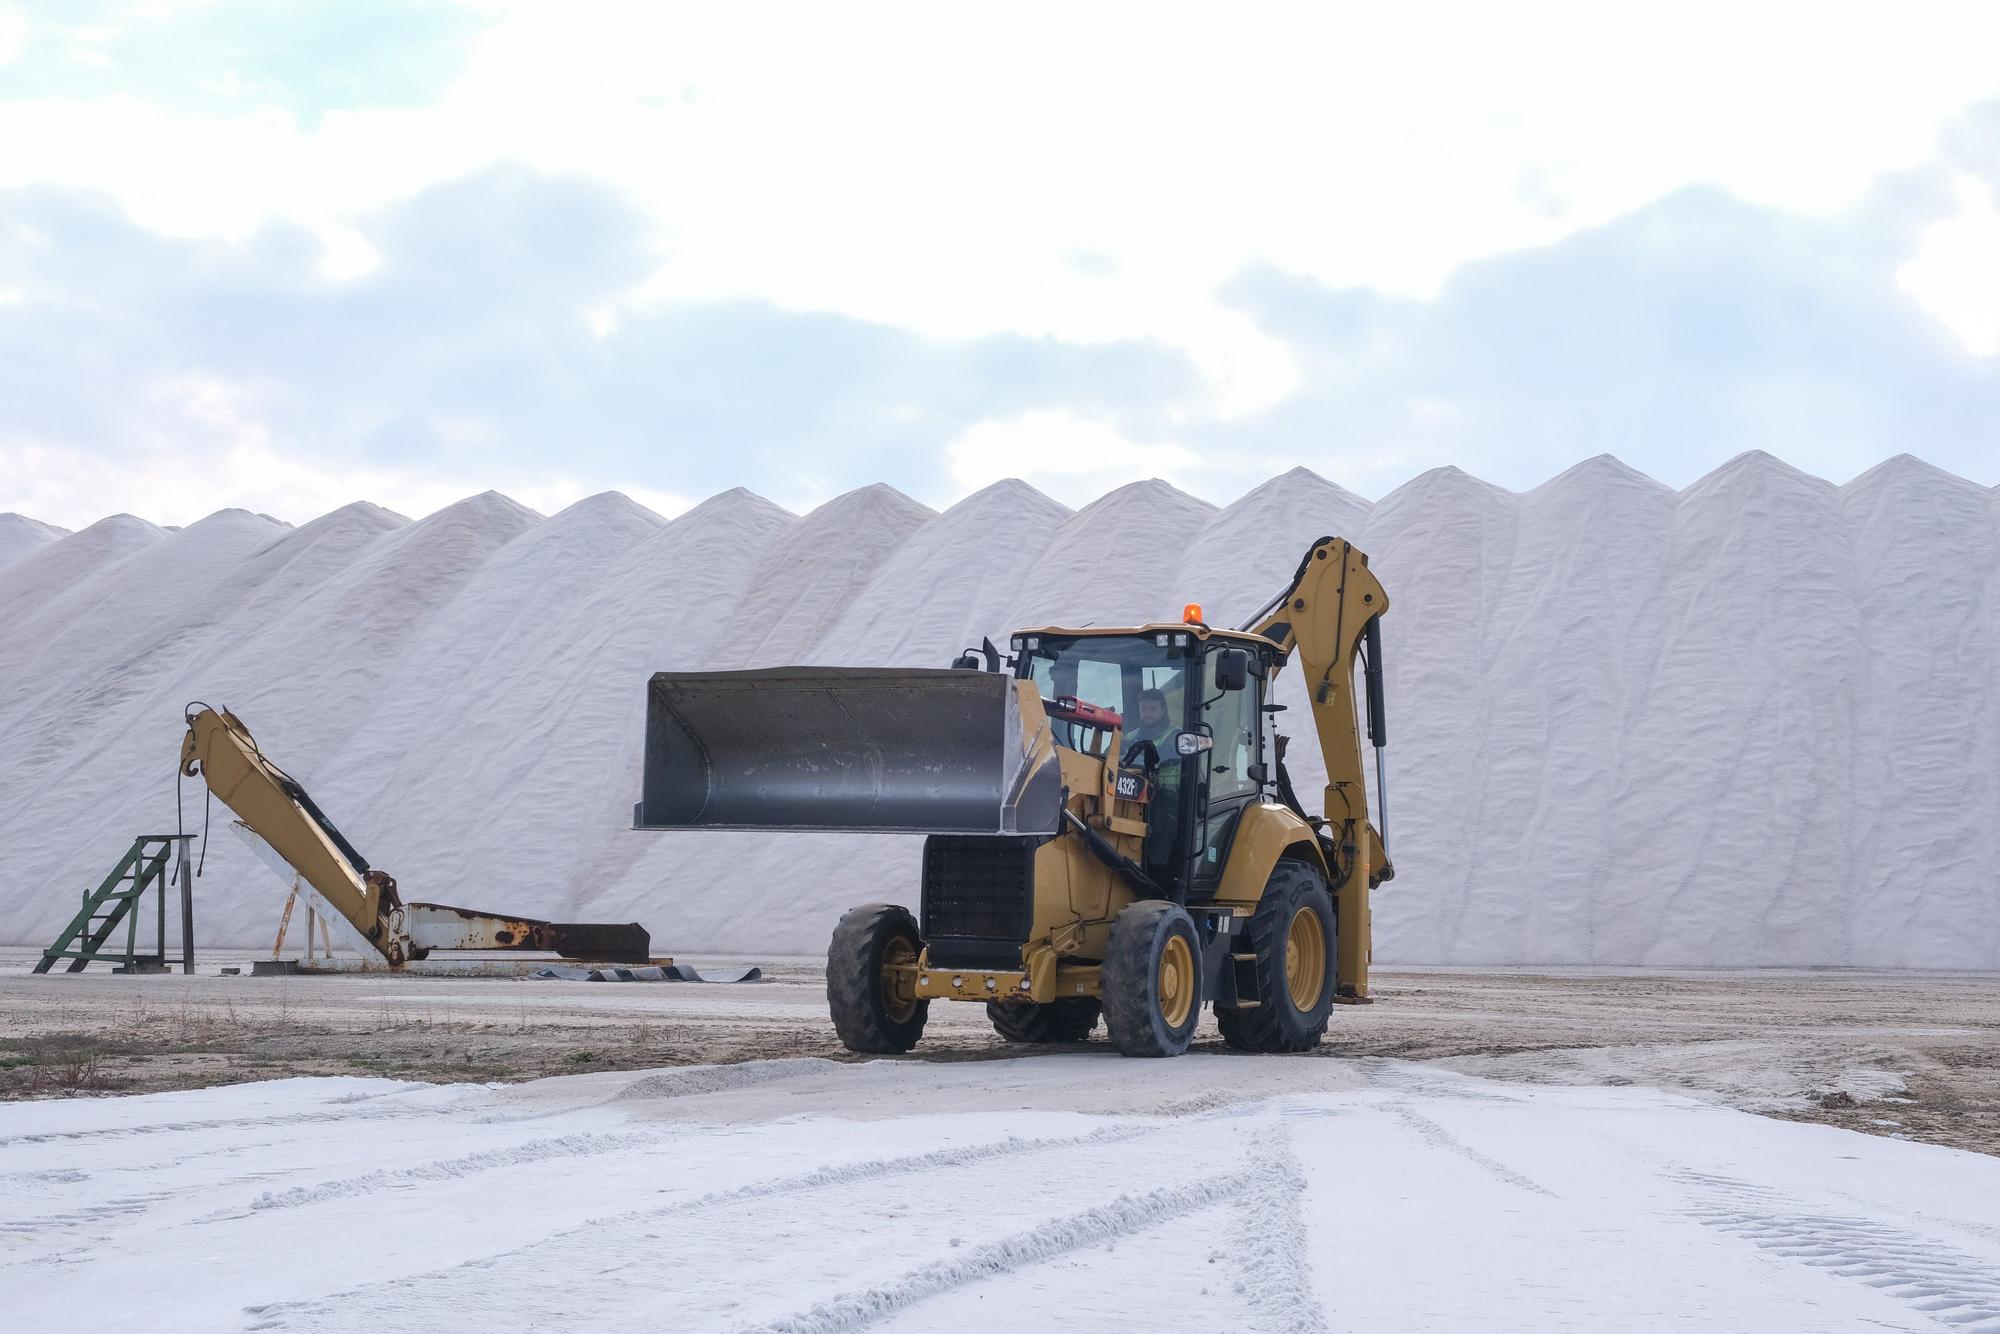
(273, 806)
(220, 749)
(1326, 615)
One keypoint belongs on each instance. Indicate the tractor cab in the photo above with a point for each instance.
(1179, 710)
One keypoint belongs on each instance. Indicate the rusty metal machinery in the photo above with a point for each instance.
(280, 821)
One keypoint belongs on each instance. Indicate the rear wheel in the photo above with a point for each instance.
(1150, 983)
(1070, 1019)
(871, 980)
(1292, 935)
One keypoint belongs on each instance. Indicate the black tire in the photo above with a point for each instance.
(867, 1014)
(1070, 1019)
(1144, 1015)
(1278, 1022)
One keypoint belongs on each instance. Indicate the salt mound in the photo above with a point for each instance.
(291, 565)
(309, 676)
(466, 712)
(29, 586)
(1247, 552)
(1116, 561)
(21, 536)
(1926, 715)
(949, 583)
(126, 604)
(137, 614)
(826, 562)
(128, 623)
(1754, 722)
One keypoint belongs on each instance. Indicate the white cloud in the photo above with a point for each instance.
(1955, 272)
(666, 504)
(345, 253)
(206, 447)
(926, 167)
(13, 34)
(1073, 458)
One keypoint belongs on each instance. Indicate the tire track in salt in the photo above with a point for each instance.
(283, 1120)
(579, 1145)
(50, 1176)
(1121, 1217)
(1272, 1261)
(592, 1240)
(1944, 1283)
(1439, 1138)
(691, 1081)
(1404, 1077)
(88, 1214)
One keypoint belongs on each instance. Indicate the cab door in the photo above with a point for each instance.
(1228, 774)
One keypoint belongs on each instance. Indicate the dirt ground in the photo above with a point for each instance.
(1915, 1055)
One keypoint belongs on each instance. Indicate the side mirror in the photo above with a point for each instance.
(1193, 743)
(1232, 669)
(984, 657)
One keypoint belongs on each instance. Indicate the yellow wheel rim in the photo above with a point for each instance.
(1305, 959)
(899, 979)
(1177, 981)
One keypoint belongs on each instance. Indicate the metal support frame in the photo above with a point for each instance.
(319, 935)
(151, 862)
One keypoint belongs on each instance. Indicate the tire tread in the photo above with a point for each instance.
(853, 981)
(1273, 1025)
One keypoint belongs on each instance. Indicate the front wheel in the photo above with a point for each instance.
(1150, 983)
(871, 980)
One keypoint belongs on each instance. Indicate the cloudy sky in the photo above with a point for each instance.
(289, 255)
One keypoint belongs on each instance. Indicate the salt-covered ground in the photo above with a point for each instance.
(1897, 1054)
(1754, 722)
(1047, 1192)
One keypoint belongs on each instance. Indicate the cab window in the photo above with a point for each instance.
(1109, 671)
(1232, 719)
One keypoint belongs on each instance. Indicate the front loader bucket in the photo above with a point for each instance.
(892, 750)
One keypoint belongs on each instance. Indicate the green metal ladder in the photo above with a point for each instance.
(150, 864)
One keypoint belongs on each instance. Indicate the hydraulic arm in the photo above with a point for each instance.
(272, 808)
(1329, 615)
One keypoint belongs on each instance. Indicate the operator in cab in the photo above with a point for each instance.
(1163, 812)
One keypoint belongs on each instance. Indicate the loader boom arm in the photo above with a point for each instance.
(1326, 615)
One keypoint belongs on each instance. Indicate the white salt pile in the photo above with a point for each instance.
(1754, 722)
(21, 536)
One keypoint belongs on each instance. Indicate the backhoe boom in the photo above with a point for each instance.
(274, 808)
(1328, 615)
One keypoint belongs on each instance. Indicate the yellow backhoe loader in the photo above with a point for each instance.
(1111, 830)
(287, 828)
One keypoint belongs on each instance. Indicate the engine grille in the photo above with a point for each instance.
(978, 902)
